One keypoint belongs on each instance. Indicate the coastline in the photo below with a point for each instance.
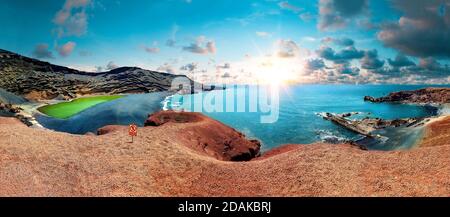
(443, 112)
(162, 163)
(30, 112)
(441, 109)
(190, 154)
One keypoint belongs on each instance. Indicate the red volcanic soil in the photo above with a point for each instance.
(437, 133)
(163, 161)
(208, 136)
(163, 117)
(278, 150)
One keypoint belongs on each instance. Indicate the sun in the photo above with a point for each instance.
(272, 70)
(278, 71)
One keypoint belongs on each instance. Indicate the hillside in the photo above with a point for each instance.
(168, 160)
(36, 80)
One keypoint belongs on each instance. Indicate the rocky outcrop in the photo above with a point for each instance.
(161, 118)
(352, 125)
(208, 136)
(38, 80)
(372, 99)
(367, 125)
(378, 123)
(9, 110)
(421, 96)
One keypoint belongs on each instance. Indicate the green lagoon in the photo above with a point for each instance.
(66, 110)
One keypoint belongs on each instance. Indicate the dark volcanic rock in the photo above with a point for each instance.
(36, 79)
(367, 125)
(8, 108)
(208, 136)
(161, 118)
(371, 99)
(378, 123)
(426, 95)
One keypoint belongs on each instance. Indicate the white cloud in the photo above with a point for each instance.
(71, 19)
(306, 17)
(171, 42)
(166, 67)
(263, 34)
(66, 49)
(287, 6)
(201, 46)
(189, 67)
(152, 49)
(287, 48)
(335, 14)
(309, 39)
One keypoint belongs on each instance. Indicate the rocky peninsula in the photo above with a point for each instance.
(422, 96)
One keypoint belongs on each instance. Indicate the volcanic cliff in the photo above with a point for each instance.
(37, 80)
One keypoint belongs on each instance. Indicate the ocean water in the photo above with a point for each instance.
(298, 120)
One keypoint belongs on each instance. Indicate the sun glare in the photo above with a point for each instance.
(277, 71)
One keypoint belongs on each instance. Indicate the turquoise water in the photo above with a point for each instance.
(298, 122)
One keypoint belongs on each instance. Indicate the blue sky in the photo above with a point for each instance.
(310, 41)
